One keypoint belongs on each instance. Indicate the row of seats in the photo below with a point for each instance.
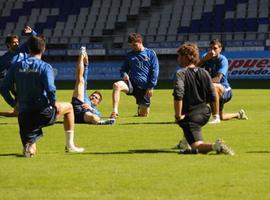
(82, 21)
(228, 16)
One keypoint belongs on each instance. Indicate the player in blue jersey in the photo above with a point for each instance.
(193, 90)
(217, 65)
(34, 81)
(84, 107)
(14, 48)
(139, 76)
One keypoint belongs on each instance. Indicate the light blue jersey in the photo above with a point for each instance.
(86, 98)
(219, 65)
(142, 68)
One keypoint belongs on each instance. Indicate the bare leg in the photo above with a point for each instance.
(227, 116)
(219, 146)
(66, 110)
(91, 118)
(117, 88)
(78, 91)
(215, 105)
(13, 113)
(202, 147)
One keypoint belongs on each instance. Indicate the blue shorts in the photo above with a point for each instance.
(226, 97)
(79, 111)
(31, 123)
(139, 94)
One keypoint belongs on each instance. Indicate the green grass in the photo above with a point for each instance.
(133, 160)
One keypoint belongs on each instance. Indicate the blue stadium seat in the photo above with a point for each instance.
(210, 18)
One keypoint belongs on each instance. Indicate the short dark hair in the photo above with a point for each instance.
(98, 93)
(36, 44)
(9, 39)
(216, 41)
(135, 37)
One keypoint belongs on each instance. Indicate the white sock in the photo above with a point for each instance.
(101, 122)
(70, 138)
(115, 110)
(216, 116)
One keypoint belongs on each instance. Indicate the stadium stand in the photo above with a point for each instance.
(108, 21)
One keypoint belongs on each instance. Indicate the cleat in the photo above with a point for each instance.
(215, 121)
(29, 150)
(110, 121)
(182, 145)
(242, 115)
(220, 147)
(83, 50)
(74, 149)
(114, 115)
(83, 54)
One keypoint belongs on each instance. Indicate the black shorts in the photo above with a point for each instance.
(139, 94)
(193, 122)
(79, 111)
(31, 123)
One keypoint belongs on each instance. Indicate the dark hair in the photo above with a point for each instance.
(36, 44)
(100, 95)
(135, 37)
(190, 50)
(9, 39)
(216, 41)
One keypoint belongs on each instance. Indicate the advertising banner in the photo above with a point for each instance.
(249, 65)
(96, 71)
(242, 65)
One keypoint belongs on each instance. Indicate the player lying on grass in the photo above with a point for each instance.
(193, 91)
(34, 81)
(85, 110)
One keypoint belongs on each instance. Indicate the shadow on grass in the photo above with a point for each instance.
(7, 123)
(138, 123)
(135, 151)
(128, 123)
(59, 122)
(258, 152)
(11, 154)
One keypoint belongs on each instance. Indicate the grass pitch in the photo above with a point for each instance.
(133, 159)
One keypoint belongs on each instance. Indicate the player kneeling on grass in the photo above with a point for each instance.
(218, 66)
(139, 76)
(34, 81)
(85, 110)
(193, 90)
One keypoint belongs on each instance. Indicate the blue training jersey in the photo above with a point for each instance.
(9, 57)
(34, 81)
(94, 110)
(87, 100)
(142, 68)
(219, 65)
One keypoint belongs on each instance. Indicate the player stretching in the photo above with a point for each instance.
(34, 80)
(193, 90)
(85, 110)
(139, 76)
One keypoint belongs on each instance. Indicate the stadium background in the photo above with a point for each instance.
(103, 25)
